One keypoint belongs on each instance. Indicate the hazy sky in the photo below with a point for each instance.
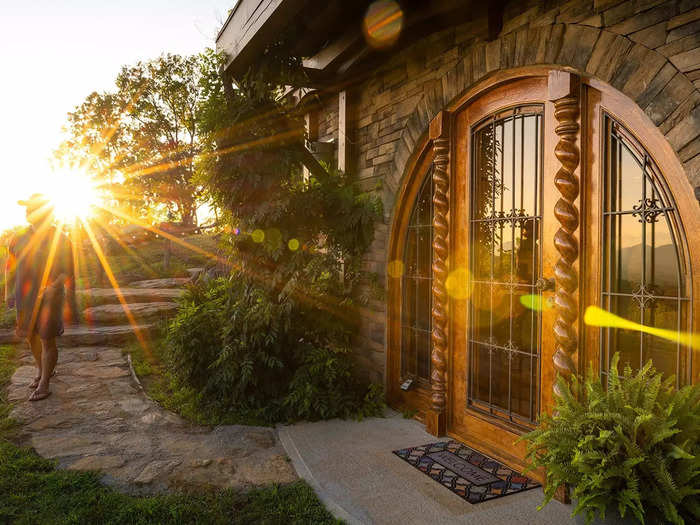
(53, 53)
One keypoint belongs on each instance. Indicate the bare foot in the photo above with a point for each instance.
(36, 381)
(38, 395)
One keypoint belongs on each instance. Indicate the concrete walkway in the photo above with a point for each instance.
(351, 466)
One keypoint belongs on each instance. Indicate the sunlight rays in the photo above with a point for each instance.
(332, 306)
(166, 166)
(127, 249)
(595, 316)
(115, 285)
(38, 237)
(46, 274)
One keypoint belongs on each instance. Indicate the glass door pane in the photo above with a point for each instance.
(643, 263)
(417, 282)
(506, 225)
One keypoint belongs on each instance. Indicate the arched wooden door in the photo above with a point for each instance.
(557, 196)
(503, 145)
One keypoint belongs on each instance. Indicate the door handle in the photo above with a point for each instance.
(545, 285)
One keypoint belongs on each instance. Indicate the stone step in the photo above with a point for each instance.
(170, 282)
(82, 335)
(115, 314)
(100, 296)
(195, 273)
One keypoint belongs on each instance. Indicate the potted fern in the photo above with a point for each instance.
(629, 450)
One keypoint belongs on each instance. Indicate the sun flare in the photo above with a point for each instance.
(74, 195)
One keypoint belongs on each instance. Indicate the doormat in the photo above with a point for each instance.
(471, 475)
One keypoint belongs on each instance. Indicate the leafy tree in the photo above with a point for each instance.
(144, 138)
(275, 334)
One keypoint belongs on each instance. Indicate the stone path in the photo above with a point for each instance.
(98, 418)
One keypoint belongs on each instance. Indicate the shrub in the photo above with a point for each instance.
(274, 336)
(244, 350)
(7, 317)
(629, 446)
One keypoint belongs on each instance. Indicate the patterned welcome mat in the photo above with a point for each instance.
(471, 475)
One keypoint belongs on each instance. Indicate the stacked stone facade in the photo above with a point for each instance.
(647, 49)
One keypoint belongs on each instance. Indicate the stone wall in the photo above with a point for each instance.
(648, 49)
(328, 120)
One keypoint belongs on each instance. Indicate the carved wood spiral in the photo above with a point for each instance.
(441, 207)
(566, 111)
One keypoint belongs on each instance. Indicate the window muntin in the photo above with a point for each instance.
(644, 272)
(417, 284)
(506, 223)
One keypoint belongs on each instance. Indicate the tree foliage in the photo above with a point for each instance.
(274, 334)
(631, 446)
(144, 138)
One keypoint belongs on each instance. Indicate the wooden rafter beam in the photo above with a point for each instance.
(495, 18)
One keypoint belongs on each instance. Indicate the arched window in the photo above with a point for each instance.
(644, 270)
(416, 287)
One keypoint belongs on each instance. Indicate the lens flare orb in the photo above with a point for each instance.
(458, 284)
(258, 236)
(395, 269)
(536, 302)
(595, 316)
(383, 23)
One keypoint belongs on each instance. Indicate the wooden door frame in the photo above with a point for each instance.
(603, 99)
(417, 167)
(497, 437)
(623, 109)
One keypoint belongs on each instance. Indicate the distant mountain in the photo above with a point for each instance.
(665, 262)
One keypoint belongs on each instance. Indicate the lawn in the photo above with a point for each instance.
(143, 261)
(32, 491)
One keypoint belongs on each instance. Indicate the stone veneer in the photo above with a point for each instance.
(647, 49)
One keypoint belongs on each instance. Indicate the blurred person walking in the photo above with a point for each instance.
(38, 271)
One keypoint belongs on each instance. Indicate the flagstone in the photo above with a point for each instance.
(52, 421)
(98, 296)
(155, 469)
(23, 375)
(99, 418)
(118, 314)
(56, 446)
(104, 373)
(97, 463)
(171, 282)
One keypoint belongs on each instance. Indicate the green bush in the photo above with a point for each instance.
(630, 446)
(244, 350)
(7, 316)
(274, 336)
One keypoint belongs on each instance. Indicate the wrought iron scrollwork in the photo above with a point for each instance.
(648, 210)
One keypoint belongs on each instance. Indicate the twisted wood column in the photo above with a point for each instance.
(441, 208)
(436, 420)
(566, 242)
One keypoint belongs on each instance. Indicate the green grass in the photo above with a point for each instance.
(33, 491)
(144, 261)
(7, 317)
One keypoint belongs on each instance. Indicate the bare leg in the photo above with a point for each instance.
(49, 357)
(35, 345)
